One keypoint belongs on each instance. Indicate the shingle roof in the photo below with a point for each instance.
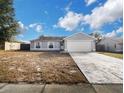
(114, 38)
(50, 38)
(117, 39)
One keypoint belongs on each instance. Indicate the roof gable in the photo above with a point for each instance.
(79, 36)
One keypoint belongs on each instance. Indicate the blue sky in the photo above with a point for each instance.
(65, 17)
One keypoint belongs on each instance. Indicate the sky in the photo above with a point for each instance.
(66, 17)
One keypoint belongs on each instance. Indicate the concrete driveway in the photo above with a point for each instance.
(99, 68)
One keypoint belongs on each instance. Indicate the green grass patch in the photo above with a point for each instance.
(116, 55)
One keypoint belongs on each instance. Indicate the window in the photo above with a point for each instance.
(37, 45)
(51, 45)
(115, 45)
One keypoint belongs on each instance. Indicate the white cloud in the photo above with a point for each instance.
(24, 41)
(111, 34)
(70, 21)
(22, 28)
(89, 2)
(111, 11)
(21, 35)
(37, 26)
(67, 8)
(33, 25)
(120, 30)
(114, 33)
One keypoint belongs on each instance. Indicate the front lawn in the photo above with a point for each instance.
(39, 67)
(116, 55)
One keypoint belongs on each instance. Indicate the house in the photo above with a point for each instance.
(46, 43)
(110, 44)
(78, 42)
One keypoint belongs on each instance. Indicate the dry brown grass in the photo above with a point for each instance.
(39, 67)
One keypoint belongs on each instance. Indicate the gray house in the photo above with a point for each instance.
(111, 44)
(78, 42)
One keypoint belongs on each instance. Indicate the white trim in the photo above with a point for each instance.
(79, 40)
(45, 49)
(41, 45)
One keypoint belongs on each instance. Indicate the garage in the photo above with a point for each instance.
(78, 46)
(79, 42)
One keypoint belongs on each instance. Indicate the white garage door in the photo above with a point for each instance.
(79, 46)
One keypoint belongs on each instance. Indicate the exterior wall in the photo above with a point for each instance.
(110, 46)
(12, 46)
(93, 44)
(32, 45)
(65, 45)
(119, 48)
(44, 45)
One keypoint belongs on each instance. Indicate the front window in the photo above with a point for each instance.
(51, 45)
(38, 45)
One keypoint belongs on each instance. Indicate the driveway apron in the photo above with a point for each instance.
(99, 68)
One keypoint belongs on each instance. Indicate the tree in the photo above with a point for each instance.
(97, 36)
(8, 23)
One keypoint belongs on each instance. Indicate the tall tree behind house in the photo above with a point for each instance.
(8, 23)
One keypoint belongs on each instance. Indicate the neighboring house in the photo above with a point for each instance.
(79, 42)
(111, 44)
